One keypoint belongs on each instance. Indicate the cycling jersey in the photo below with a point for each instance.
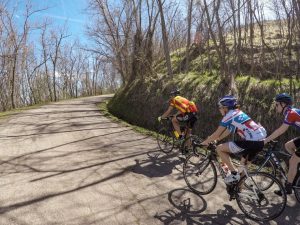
(237, 121)
(183, 105)
(292, 117)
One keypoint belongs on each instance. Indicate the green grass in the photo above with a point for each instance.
(19, 110)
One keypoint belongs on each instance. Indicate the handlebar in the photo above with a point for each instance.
(210, 146)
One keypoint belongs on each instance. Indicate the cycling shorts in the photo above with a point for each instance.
(246, 148)
(189, 118)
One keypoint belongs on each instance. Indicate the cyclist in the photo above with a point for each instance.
(187, 112)
(236, 121)
(283, 104)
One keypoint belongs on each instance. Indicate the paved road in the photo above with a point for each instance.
(67, 164)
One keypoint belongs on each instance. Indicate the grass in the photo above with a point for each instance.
(6, 114)
(104, 110)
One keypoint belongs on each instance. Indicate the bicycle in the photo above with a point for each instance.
(255, 201)
(270, 158)
(167, 141)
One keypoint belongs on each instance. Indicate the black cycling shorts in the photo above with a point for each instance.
(189, 118)
(297, 144)
(247, 149)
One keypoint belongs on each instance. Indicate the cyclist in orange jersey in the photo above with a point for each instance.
(187, 112)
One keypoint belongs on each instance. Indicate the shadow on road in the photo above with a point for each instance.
(190, 208)
(156, 165)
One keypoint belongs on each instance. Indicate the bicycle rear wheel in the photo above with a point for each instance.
(186, 146)
(165, 140)
(255, 201)
(200, 173)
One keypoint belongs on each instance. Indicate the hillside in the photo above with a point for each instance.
(142, 101)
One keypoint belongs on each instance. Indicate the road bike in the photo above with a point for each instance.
(255, 200)
(274, 162)
(167, 140)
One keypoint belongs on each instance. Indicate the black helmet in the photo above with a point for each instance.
(175, 92)
(285, 98)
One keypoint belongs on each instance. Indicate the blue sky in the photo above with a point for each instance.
(60, 12)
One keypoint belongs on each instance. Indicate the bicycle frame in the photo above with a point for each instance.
(271, 156)
(212, 157)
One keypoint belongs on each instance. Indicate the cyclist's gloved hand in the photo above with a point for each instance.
(159, 118)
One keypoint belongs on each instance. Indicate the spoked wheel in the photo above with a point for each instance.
(200, 174)
(257, 202)
(297, 189)
(165, 140)
(258, 165)
(186, 147)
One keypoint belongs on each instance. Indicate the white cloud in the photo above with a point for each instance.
(64, 18)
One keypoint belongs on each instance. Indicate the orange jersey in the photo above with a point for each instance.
(183, 105)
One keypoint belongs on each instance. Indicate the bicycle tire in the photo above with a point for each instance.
(200, 174)
(269, 167)
(183, 146)
(165, 140)
(297, 189)
(267, 202)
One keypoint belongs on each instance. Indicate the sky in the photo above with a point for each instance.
(69, 12)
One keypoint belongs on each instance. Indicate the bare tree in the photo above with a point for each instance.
(165, 39)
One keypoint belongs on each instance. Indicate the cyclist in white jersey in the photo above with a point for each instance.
(236, 121)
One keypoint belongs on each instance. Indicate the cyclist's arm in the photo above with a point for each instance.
(224, 134)
(214, 136)
(168, 112)
(283, 128)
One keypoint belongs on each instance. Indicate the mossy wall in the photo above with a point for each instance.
(144, 100)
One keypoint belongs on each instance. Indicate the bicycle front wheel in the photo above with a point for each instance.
(165, 140)
(261, 165)
(200, 174)
(297, 189)
(257, 202)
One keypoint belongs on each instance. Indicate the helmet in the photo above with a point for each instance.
(284, 97)
(228, 101)
(175, 92)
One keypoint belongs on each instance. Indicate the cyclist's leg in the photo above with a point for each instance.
(189, 126)
(175, 122)
(223, 151)
(246, 148)
(290, 146)
(294, 160)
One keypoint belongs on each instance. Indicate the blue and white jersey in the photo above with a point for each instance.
(238, 121)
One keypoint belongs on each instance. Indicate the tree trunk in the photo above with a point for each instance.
(188, 42)
(165, 39)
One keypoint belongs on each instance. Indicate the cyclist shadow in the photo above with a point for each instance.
(156, 165)
(187, 204)
(190, 207)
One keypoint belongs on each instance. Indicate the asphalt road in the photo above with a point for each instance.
(65, 163)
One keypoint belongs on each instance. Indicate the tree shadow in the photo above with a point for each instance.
(156, 165)
(7, 208)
